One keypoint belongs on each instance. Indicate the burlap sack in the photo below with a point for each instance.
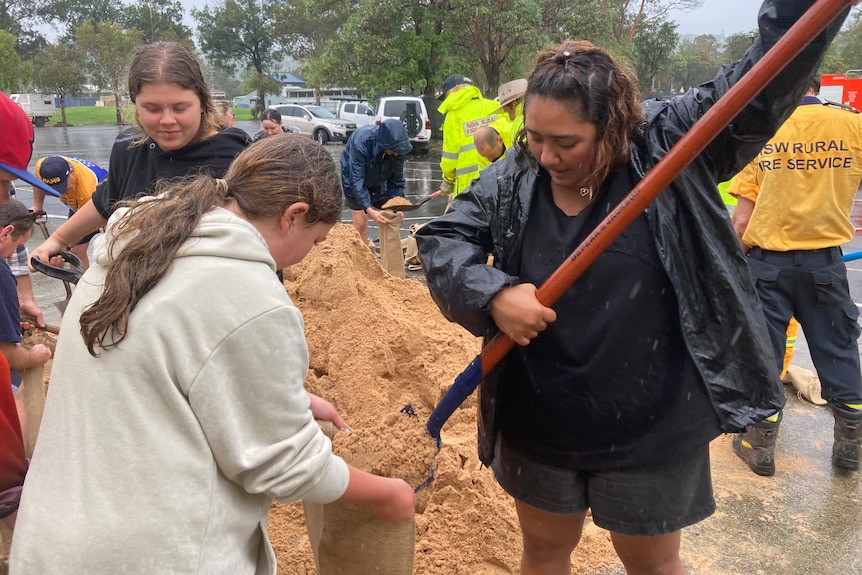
(31, 396)
(410, 249)
(348, 539)
(391, 256)
(805, 382)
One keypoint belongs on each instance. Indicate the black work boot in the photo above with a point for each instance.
(848, 438)
(757, 446)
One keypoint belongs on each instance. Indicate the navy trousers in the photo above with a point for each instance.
(811, 285)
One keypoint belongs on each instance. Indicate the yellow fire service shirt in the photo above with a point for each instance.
(804, 181)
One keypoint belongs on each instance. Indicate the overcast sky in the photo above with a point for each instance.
(718, 17)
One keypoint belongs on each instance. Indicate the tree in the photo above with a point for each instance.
(159, 21)
(234, 33)
(223, 79)
(107, 50)
(373, 45)
(57, 69)
(653, 47)
(73, 13)
(19, 18)
(695, 61)
(304, 28)
(832, 63)
(850, 41)
(736, 45)
(626, 17)
(493, 32)
(14, 74)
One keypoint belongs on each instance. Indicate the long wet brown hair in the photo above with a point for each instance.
(264, 180)
(599, 89)
(172, 63)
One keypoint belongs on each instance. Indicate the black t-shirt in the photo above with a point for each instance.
(610, 384)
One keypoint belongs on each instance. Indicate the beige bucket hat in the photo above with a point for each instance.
(510, 91)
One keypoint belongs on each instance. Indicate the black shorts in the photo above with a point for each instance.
(354, 205)
(640, 501)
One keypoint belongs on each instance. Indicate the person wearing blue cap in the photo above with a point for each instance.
(372, 171)
(75, 180)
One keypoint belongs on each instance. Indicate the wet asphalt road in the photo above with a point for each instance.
(805, 520)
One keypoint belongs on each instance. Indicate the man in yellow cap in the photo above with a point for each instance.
(75, 180)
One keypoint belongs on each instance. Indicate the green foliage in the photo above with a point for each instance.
(380, 46)
(495, 36)
(14, 74)
(832, 63)
(263, 85)
(107, 50)
(222, 79)
(652, 48)
(384, 45)
(695, 62)
(735, 45)
(20, 18)
(304, 27)
(158, 21)
(236, 33)
(850, 42)
(57, 70)
(74, 13)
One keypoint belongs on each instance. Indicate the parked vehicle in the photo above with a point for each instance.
(316, 122)
(356, 111)
(39, 107)
(412, 112)
(844, 89)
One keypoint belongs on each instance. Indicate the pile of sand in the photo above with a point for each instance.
(377, 343)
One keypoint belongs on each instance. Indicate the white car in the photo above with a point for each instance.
(359, 112)
(412, 112)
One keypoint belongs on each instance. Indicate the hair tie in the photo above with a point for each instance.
(222, 186)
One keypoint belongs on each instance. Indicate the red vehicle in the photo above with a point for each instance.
(844, 89)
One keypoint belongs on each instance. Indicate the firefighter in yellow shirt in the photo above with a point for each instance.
(792, 217)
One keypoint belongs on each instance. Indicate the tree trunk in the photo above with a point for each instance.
(120, 120)
(63, 109)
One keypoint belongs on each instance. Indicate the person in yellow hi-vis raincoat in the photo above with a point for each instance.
(466, 111)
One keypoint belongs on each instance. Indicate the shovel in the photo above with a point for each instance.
(69, 275)
(411, 207)
(816, 18)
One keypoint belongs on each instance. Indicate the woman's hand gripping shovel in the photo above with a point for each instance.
(818, 16)
(69, 271)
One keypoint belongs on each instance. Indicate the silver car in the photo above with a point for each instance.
(316, 122)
